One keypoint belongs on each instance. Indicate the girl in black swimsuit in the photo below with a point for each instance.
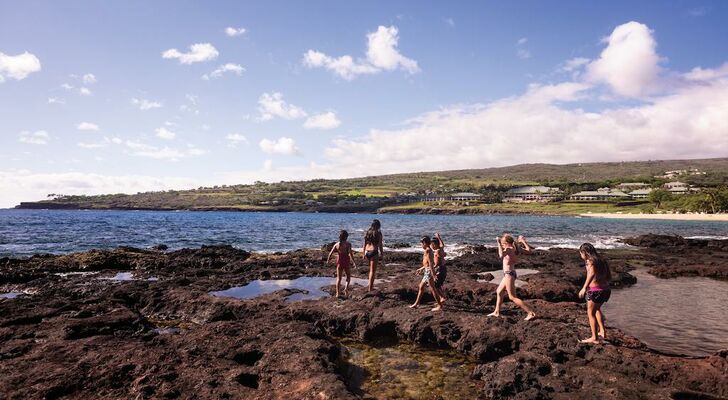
(373, 249)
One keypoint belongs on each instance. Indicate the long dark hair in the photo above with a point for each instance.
(343, 235)
(600, 264)
(373, 235)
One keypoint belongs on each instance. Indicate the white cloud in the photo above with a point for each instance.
(234, 139)
(116, 140)
(145, 104)
(199, 52)
(88, 79)
(165, 133)
(690, 123)
(37, 137)
(629, 63)
(382, 55)
(267, 165)
(56, 100)
(18, 67)
(87, 126)
(232, 32)
(523, 54)
(271, 105)
(283, 146)
(701, 74)
(83, 91)
(327, 120)
(84, 145)
(162, 153)
(574, 64)
(24, 185)
(191, 105)
(236, 69)
(450, 22)
(521, 51)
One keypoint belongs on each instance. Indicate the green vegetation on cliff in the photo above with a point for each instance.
(400, 192)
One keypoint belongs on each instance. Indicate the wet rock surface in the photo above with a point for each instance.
(674, 256)
(77, 336)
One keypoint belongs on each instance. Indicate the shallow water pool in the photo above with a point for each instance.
(311, 287)
(405, 371)
(678, 315)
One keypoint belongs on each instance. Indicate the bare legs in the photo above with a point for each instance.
(373, 262)
(596, 318)
(509, 285)
(420, 289)
(434, 292)
(600, 321)
(347, 271)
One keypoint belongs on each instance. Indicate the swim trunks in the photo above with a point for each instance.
(598, 296)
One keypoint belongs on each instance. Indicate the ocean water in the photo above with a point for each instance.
(27, 232)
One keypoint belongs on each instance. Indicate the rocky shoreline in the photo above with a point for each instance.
(161, 335)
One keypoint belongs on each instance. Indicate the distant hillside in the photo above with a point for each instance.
(371, 193)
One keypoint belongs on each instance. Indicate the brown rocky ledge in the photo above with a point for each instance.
(76, 336)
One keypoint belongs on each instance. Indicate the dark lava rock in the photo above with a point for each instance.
(81, 337)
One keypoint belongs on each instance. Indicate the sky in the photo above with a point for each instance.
(122, 97)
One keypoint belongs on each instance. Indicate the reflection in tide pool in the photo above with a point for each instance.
(679, 315)
(311, 287)
(126, 276)
(10, 295)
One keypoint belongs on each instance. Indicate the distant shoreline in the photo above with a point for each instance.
(668, 217)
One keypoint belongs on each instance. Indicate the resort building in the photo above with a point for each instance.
(601, 194)
(640, 194)
(465, 197)
(677, 188)
(629, 186)
(527, 194)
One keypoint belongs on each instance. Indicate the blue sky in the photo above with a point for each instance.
(90, 104)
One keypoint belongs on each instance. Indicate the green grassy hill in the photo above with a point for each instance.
(373, 193)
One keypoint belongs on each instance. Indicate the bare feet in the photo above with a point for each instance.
(414, 305)
(530, 316)
(438, 308)
(590, 341)
(494, 314)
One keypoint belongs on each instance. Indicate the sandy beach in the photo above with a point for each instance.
(674, 217)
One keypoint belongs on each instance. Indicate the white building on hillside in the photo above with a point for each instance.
(629, 186)
(640, 194)
(677, 188)
(465, 197)
(601, 194)
(527, 194)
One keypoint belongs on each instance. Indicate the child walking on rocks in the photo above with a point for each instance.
(429, 275)
(596, 290)
(508, 251)
(438, 252)
(344, 261)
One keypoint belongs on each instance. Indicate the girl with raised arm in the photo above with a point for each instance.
(344, 261)
(373, 249)
(596, 289)
(508, 251)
